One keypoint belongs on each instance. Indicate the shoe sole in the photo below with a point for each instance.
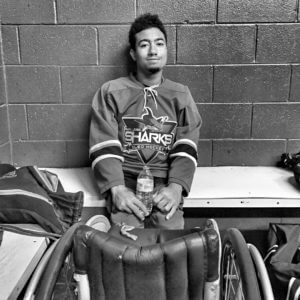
(99, 222)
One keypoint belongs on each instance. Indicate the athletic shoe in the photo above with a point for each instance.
(99, 222)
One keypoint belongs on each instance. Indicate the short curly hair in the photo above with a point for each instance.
(143, 22)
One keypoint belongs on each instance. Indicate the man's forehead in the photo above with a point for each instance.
(152, 33)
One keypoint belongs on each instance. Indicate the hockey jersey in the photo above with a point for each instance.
(133, 125)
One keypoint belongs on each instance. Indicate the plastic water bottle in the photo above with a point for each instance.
(144, 188)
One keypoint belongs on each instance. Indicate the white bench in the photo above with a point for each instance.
(213, 187)
(248, 198)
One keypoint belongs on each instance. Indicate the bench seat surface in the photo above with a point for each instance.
(212, 187)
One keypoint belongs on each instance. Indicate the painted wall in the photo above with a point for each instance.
(241, 60)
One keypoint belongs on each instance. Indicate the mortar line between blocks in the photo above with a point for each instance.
(55, 11)
(256, 43)
(290, 84)
(61, 100)
(6, 94)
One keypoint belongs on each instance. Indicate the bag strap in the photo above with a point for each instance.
(270, 251)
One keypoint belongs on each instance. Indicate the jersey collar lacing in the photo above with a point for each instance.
(153, 93)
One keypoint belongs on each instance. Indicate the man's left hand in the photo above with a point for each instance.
(168, 198)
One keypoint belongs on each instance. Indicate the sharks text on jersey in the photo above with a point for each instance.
(148, 132)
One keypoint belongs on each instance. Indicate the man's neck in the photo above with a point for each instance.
(149, 79)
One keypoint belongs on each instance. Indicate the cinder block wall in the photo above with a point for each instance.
(240, 58)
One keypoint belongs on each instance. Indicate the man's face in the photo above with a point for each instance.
(150, 52)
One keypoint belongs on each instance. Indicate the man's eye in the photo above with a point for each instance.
(143, 45)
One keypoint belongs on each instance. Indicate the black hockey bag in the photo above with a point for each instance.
(283, 259)
(291, 161)
(31, 195)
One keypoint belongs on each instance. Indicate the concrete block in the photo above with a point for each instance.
(5, 157)
(27, 12)
(41, 154)
(293, 146)
(295, 85)
(225, 120)
(207, 44)
(180, 11)
(278, 43)
(28, 84)
(236, 11)
(10, 45)
(278, 120)
(58, 45)
(4, 135)
(78, 154)
(114, 45)
(199, 79)
(247, 152)
(18, 122)
(58, 122)
(79, 84)
(204, 153)
(104, 11)
(251, 83)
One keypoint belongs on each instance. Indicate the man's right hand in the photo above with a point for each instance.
(125, 200)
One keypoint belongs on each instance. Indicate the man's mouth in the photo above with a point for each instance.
(153, 61)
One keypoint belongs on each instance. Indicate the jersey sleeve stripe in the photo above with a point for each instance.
(111, 150)
(185, 142)
(99, 158)
(184, 154)
(105, 144)
(185, 148)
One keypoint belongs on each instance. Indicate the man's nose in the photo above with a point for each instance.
(153, 49)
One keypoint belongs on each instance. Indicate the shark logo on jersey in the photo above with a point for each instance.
(148, 135)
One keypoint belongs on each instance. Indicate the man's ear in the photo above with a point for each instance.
(132, 54)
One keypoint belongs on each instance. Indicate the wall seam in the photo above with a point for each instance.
(6, 93)
(176, 44)
(217, 11)
(290, 84)
(135, 8)
(27, 122)
(297, 11)
(213, 85)
(256, 43)
(61, 100)
(98, 45)
(18, 44)
(251, 121)
(55, 11)
(212, 152)
(124, 23)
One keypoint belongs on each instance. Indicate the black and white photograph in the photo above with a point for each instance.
(149, 149)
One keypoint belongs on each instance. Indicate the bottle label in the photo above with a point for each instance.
(145, 185)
